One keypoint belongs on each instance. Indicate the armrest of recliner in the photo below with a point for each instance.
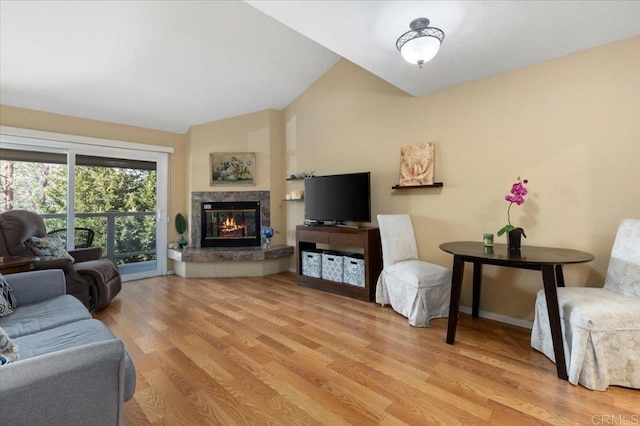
(36, 286)
(76, 285)
(64, 264)
(86, 254)
(79, 385)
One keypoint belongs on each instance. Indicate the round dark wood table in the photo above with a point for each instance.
(549, 260)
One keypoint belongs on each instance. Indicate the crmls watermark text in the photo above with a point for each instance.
(615, 419)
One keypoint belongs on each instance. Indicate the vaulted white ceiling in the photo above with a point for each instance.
(169, 65)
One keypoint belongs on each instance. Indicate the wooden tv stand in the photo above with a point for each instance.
(368, 239)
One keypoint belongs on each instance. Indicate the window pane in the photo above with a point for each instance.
(119, 205)
(36, 185)
(135, 238)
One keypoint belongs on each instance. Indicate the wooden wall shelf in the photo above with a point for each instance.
(434, 185)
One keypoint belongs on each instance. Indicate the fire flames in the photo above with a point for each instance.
(231, 226)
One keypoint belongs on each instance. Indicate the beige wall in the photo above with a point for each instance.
(571, 126)
(259, 132)
(43, 121)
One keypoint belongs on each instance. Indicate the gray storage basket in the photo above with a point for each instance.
(332, 266)
(312, 263)
(353, 269)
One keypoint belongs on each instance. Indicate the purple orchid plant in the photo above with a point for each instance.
(518, 192)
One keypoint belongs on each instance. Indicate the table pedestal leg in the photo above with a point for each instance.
(454, 304)
(559, 276)
(551, 294)
(477, 280)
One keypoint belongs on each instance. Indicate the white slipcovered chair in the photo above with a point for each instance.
(600, 326)
(415, 289)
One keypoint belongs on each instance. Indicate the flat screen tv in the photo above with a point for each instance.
(338, 198)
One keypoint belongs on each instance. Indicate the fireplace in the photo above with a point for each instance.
(230, 224)
(199, 199)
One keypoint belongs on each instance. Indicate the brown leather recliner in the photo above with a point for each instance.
(94, 281)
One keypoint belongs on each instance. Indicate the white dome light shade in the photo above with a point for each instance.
(420, 44)
(420, 50)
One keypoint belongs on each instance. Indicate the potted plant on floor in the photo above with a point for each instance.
(181, 227)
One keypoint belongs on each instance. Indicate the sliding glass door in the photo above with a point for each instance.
(117, 199)
(119, 194)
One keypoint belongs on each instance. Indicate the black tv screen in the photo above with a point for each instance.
(338, 198)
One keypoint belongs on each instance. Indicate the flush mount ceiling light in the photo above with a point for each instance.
(420, 44)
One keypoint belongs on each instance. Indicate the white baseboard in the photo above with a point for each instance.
(500, 318)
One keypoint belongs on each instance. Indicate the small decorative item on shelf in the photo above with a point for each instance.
(514, 234)
(301, 175)
(267, 233)
(181, 227)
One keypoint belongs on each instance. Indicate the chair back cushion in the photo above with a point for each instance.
(17, 226)
(397, 237)
(623, 274)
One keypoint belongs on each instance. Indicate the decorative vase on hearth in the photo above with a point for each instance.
(514, 239)
(267, 234)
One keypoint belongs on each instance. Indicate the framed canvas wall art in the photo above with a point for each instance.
(232, 168)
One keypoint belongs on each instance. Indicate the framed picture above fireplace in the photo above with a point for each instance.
(232, 168)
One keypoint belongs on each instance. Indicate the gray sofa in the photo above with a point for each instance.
(71, 369)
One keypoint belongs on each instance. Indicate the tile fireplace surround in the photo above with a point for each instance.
(195, 261)
(197, 198)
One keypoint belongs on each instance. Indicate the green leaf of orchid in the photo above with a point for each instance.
(506, 228)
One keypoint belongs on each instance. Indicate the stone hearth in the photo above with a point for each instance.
(214, 262)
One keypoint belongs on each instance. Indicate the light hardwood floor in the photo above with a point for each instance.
(264, 351)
